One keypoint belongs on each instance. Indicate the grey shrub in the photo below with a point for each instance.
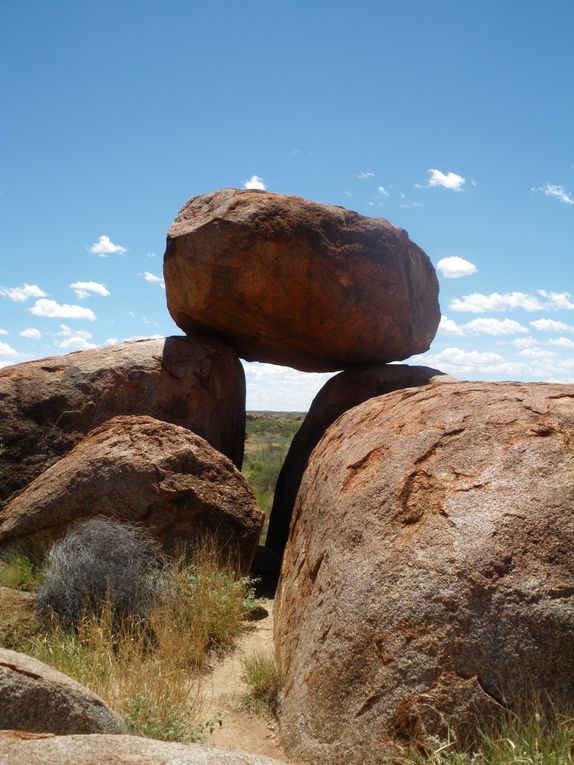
(103, 560)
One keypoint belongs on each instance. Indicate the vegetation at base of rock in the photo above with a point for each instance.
(265, 680)
(526, 740)
(3, 449)
(268, 437)
(19, 572)
(147, 664)
(102, 560)
(19, 622)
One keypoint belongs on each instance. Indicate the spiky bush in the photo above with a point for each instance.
(101, 562)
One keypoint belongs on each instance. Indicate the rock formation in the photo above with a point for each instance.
(49, 405)
(18, 749)
(142, 470)
(339, 394)
(36, 697)
(430, 566)
(294, 282)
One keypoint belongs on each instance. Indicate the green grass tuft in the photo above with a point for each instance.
(265, 680)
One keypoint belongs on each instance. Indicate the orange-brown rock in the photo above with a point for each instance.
(49, 405)
(430, 565)
(142, 470)
(294, 282)
(340, 393)
(35, 697)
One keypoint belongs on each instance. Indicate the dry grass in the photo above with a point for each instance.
(265, 680)
(150, 670)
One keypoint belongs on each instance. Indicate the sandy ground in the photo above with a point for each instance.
(223, 691)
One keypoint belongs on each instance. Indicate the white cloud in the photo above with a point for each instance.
(362, 175)
(7, 352)
(537, 354)
(4, 332)
(19, 294)
(446, 180)
(52, 310)
(477, 303)
(112, 341)
(104, 246)
(142, 337)
(382, 190)
(66, 331)
(86, 289)
(455, 267)
(31, 333)
(76, 343)
(558, 301)
(562, 342)
(450, 327)
(153, 279)
(255, 182)
(558, 192)
(276, 388)
(495, 327)
(551, 325)
(525, 342)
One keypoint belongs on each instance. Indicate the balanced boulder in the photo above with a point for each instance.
(50, 404)
(429, 572)
(142, 470)
(340, 393)
(294, 282)
(35, 697)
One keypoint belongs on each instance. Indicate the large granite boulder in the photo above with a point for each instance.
(429, 573)
(35, 697)
(294, 282)
(17, 749)
(340, 393)
(49, 405)
(142, 470)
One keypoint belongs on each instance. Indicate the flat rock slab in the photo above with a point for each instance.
(429, 572)
(142, 470)
(119, 750)
(34, 697)
(294, 282)
(49, 405)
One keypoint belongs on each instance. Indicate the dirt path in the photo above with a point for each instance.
(223, 691)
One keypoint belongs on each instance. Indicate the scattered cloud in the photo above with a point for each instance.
(86, 289)
(450, 327)
(133, 338)
(75, 339)
(153, 279)
(104, 246)
(525, 342)
(449, 180)
(478, 303)
(4, 332)
(20, 294)
(558, 192)
(536, 354)
(455, 267)
(151, 255)
(9, 353)
(562, 342)
(382, 191)
(112, 341)
(495, 327)
(272, 387)
(31, 333)
(255, 182)
(551, 325)
(363, 175)
(52, 310)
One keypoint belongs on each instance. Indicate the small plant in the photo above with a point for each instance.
(18, 571)
(3, 449)
(102, 561)
(264, 678)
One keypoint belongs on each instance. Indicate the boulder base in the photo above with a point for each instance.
(294, 282)
(430, 566)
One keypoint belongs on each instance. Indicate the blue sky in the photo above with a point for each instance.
(453, 119)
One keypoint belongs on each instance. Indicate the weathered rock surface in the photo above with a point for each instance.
(340, 393)
(49, 405)
(35, 697)
(294, 282)
(119, 750)
(142, 470)
(430, 564)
